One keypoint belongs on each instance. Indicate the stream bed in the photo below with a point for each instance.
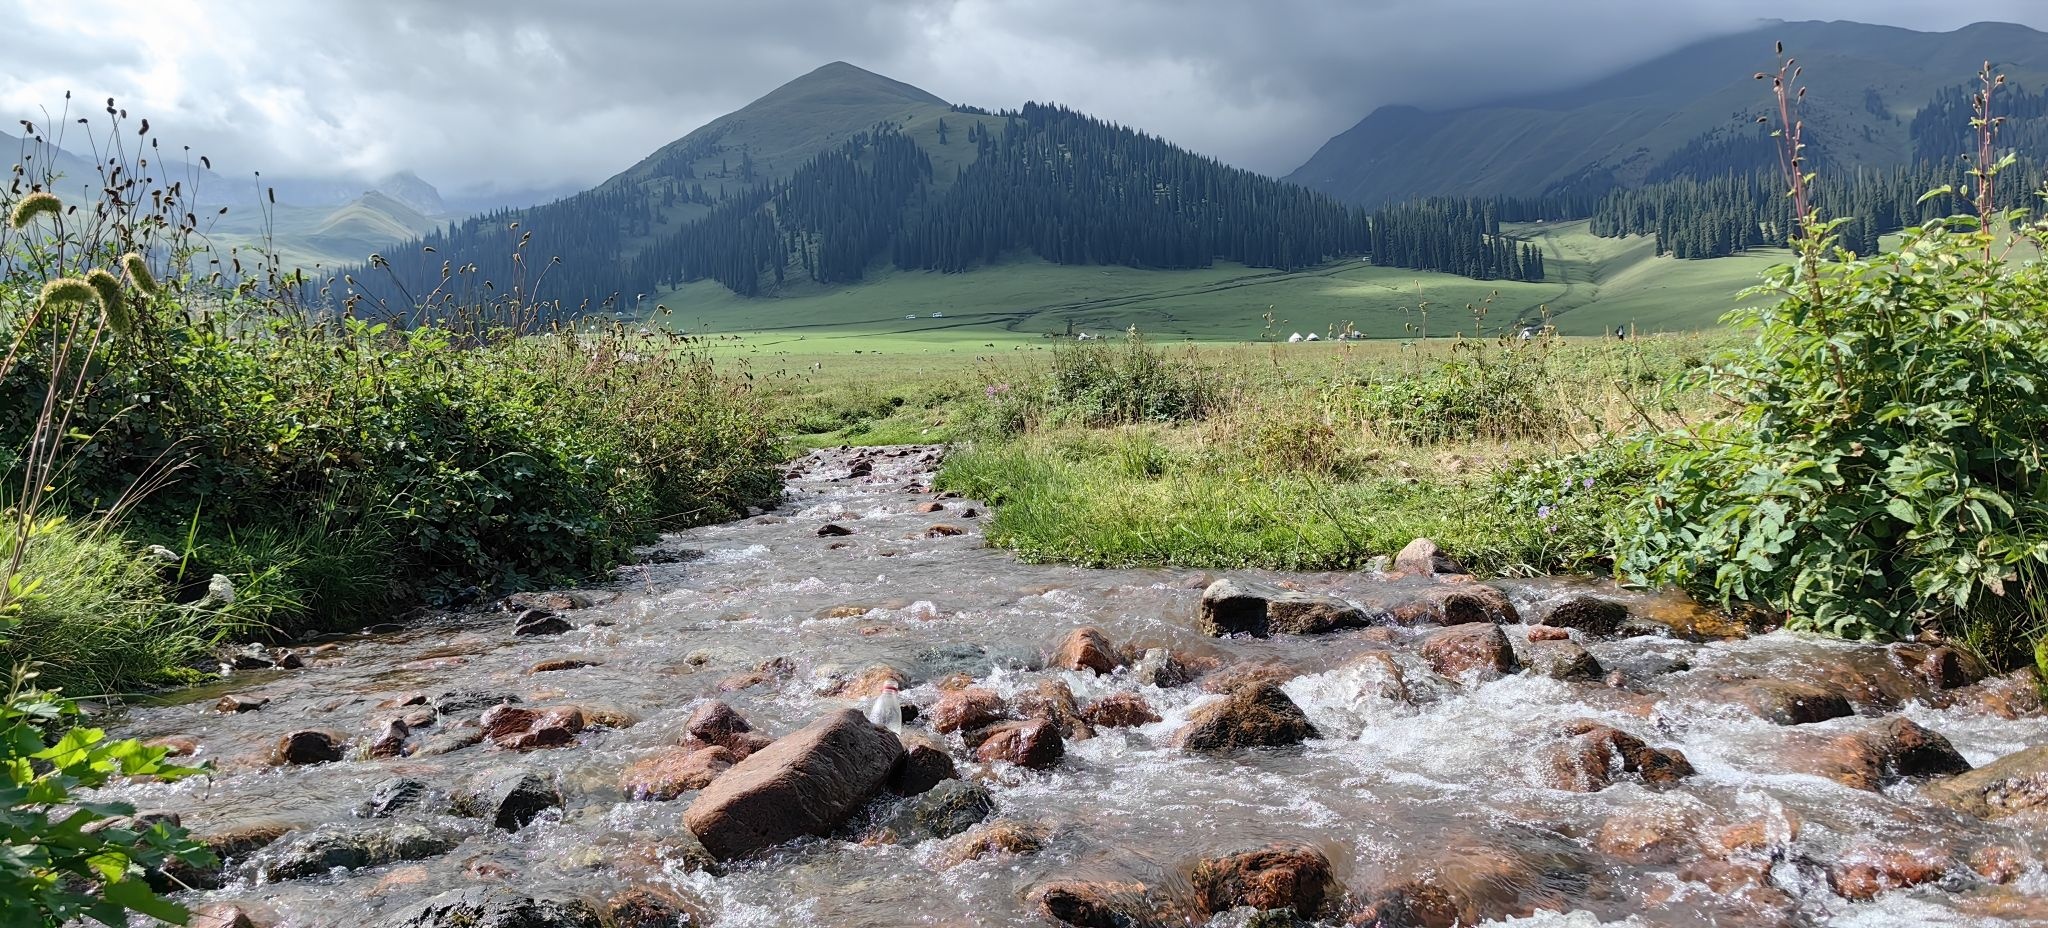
(1431, 798)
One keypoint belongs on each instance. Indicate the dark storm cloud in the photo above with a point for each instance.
(537, 92)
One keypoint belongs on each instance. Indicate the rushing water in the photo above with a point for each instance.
(1390, 786)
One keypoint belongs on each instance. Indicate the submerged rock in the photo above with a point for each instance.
(806, 783)
(496, 907)
(1258, 715)
(945, 810)
(316, 852)
(1092, 904)
(1559, 659)
(1870, 871)
(1120, 710)
(1469, 652)
(1786, 702)
(393, 796)
(1005, 836)
(1278, 876)
(1593, 615)
(312, 746)
(651, 907)
(1595, 756)
(1237, 607)
(1159, 667)
(674, 772)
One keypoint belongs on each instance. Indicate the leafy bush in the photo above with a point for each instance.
(1474, 393)
(1882, 466)
(1103, 383)
(1574, 501)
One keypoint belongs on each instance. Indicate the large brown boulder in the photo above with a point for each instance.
(716, 723)
(925, 765)
(1449, 603)
(1087, 648)
(1092, 904)
(1469, 652)
(1033, 743)
(972, 707)
(1278, 876)
(1120, 710)
(1237, 607)
(521, 729)
(1593, 757)
(2016, 784)
(1258, 715)
(1593, 615)
(1559, 659)
(805, 783)
(1053, 701)
(1466, 881)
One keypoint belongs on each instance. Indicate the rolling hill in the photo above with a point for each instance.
(1651, 121)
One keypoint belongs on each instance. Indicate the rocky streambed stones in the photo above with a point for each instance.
(805, 783)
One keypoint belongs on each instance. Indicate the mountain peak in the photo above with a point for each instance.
(841, 83)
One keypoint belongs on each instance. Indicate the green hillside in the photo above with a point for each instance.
(1595, 284)
(1865, 85)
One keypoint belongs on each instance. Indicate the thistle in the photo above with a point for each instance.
(138, 273)
(108, 288)
(33, 205)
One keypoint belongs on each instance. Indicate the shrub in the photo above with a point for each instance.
(1473, 394)
(1103, 383)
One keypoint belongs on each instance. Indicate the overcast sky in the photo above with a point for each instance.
(522, 93)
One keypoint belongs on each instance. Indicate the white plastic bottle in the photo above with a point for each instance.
(887, 709)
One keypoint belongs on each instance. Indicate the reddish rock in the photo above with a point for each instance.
(774, 669)
(650, 907)
(2016, 784)
(1279, 876)
(1034, 743)
(870, 683)
(1087, 648)
(944, 531)
(1870, 871)
(1560, 660)
(1593, 615)
(1256, 715)
(390, 742)
(1785, 701)
(1454, 603)
(311, 746)
(1391, 680)
(925, 764)
(1646, 837)
(237, 703)
(998, 837)
(806, 783)
(1053, 701)
(962, 709)
(1092, 904)
(1120, 710)
(1248, 673)
(521, 729)
(931, 507)
(674, 772)
(1469, 652)
(1422, 558)
(717, 723)
(561, 663)
(1465, 883)
(176, 746)
(1939, 666)
(1548, 633)
(222, 915)
(1237, 607)
(1595, 756)
(1998, 863)
(1757, 837)
(2011, 697)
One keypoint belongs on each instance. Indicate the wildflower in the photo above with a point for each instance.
(33, 205)
(112, 302)
(989, 391)
(1589, 483)
(65, 290)
(1543, 512)
(138, 273)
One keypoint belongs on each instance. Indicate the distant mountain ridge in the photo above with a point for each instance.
(1866, 85)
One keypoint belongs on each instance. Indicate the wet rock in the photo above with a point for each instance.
(1870, 870)
(390, 740)
(253, 657)
(974, 707)
(651, 907)
(236, 703)
(1092, 904)
(1120, 710)
(1467, 881)
(1595, 756)
(1279, 876)
(2016, 784)
(1647, 837)
(392, 796)
(945, 810)
(833, 530)
(2011, 697)
(1390, 682)
(1469, 652)
(1593, 615)
(222, 915)
(311, 746)
(1784, 701)
(774, 669)
(931, 507)
(354, 847)
(1454, 603)
(1237, 607)
(520, 729)
(925, 764)
(1087, 648)
(459, 702)
(1159, 667)
(534, 622)
(1998, 863)
(1939, 666)
(567, 600)
(1247, 673)
(1004, 836)
(508, 797)
(1560, 660)
(174, 746)
(1548, 633)
(870, 682)
(448, 742)
(718, 723)
(1422, 558)
(559, 664)
(674, 772)
(1053, 701)
(1034, 744)
(806, 783)
(1258, 715)
(496, 907)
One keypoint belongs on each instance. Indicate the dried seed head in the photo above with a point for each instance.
(33, 205)
(138, 273)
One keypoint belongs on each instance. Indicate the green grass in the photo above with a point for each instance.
(1595, 284)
